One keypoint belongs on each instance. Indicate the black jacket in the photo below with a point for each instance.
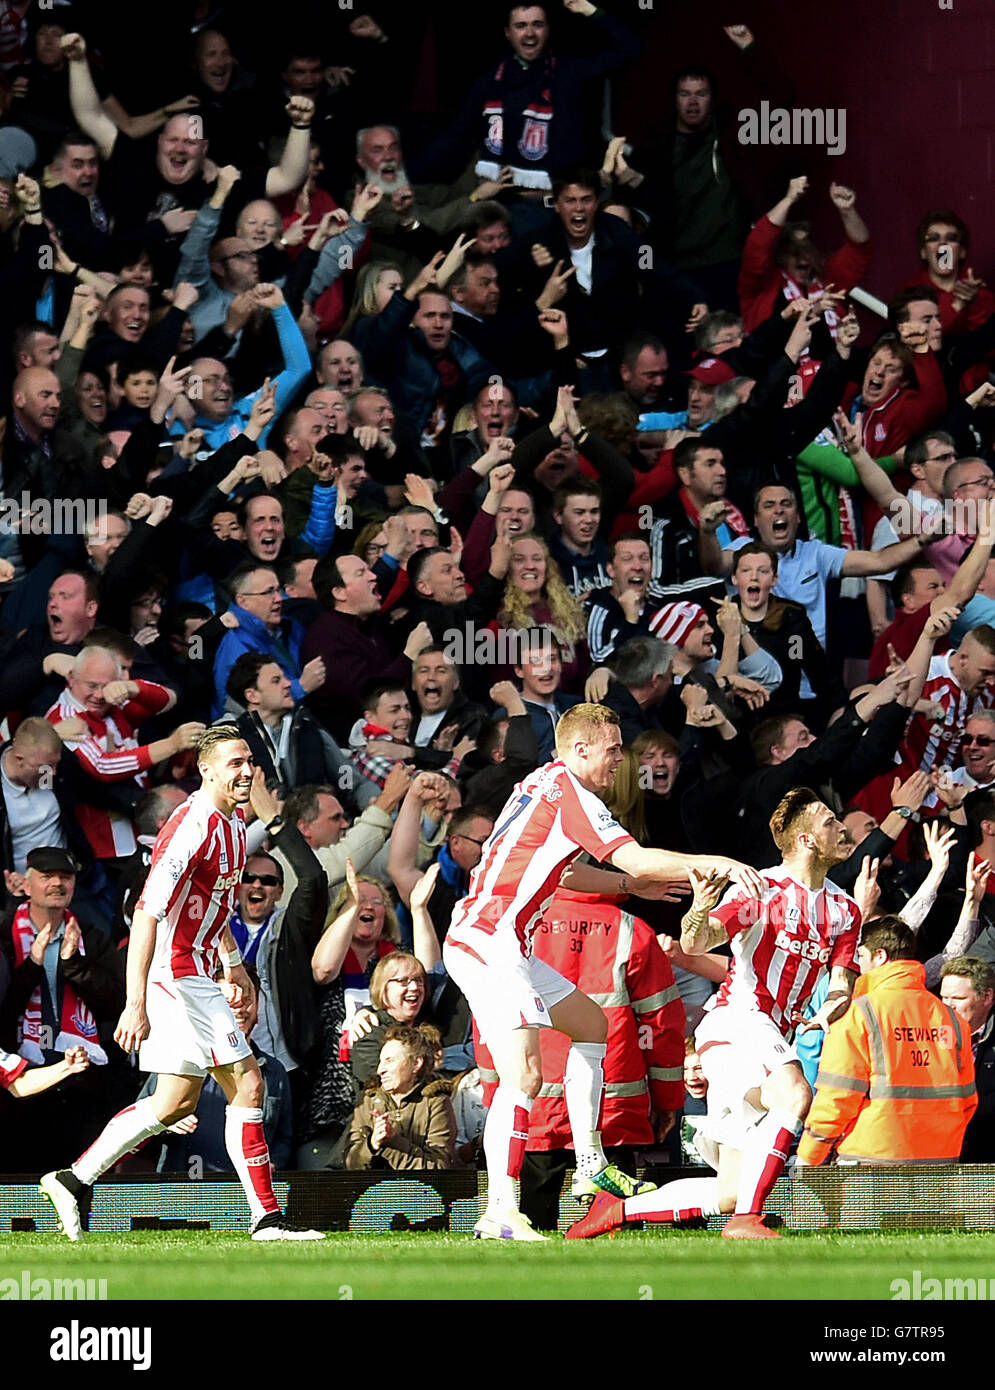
(290, 943)
(979, 1140)
(848, 755)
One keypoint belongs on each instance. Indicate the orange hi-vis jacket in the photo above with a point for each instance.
(896, 1078)
(616, 960)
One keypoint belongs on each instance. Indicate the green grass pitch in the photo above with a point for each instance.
(652, 1265)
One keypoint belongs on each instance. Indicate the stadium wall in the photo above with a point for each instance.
(917, 1197)
(915, 80)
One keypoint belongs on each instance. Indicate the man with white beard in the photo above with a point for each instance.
(441, 208)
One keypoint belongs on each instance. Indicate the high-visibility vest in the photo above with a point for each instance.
(896, 1078)
(616, 960)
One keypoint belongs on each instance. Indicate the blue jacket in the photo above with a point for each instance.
(297, 367)
(252, 635)
(399, 359)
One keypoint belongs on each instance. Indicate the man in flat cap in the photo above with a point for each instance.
(66, 980)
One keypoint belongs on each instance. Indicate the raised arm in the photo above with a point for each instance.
(964, 584)
(873, 478)
(92, 119)
(968, 922)
(402, 861)
(290, 173)
(941, 620)
(844, 200)
(426, 938)
(333, 946)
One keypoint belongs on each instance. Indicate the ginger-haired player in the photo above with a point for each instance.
(782, 942)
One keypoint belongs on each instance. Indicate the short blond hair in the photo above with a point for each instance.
(215, 735)
(584, 721)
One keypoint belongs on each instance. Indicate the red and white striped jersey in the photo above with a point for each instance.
(111, 753)
(11, 1067)
(192, 886)
(547, 822)
(935, 743)
(783, 942)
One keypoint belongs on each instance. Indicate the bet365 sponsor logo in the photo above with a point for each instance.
(808, 950)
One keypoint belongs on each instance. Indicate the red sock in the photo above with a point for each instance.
(245, 1141)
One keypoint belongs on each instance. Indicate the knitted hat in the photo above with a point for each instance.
(674, 622)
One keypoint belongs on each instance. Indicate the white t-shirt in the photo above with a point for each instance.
(427, 726)
(583, 258)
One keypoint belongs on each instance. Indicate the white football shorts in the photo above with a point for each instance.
(505, 990)
(191, 1028)
(738, 1052)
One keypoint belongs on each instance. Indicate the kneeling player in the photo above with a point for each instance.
(551, 817)
(176, 1014)
(782, 943)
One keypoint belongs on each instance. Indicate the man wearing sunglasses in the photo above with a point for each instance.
(977, 751)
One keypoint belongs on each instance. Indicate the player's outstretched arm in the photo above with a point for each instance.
(664, 866)
(700, 932)
(133, 1025)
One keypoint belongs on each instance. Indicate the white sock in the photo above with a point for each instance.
(678, 1201)
(249, 1153)
(764, 1157)
(505, 1136)
(127, 1131)
(583, 1087)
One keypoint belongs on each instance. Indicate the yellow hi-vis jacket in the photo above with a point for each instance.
(896, 1078)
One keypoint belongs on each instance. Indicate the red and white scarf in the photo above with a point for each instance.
(734, 518)
(77, 1026)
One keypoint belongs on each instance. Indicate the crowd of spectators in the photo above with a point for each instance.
(391, 440)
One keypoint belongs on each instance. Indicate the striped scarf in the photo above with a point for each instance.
(77, 1026)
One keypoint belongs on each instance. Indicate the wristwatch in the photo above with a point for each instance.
(275, 824)
(906, 812)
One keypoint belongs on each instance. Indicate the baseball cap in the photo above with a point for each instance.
(711, 371)
(49, 859)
